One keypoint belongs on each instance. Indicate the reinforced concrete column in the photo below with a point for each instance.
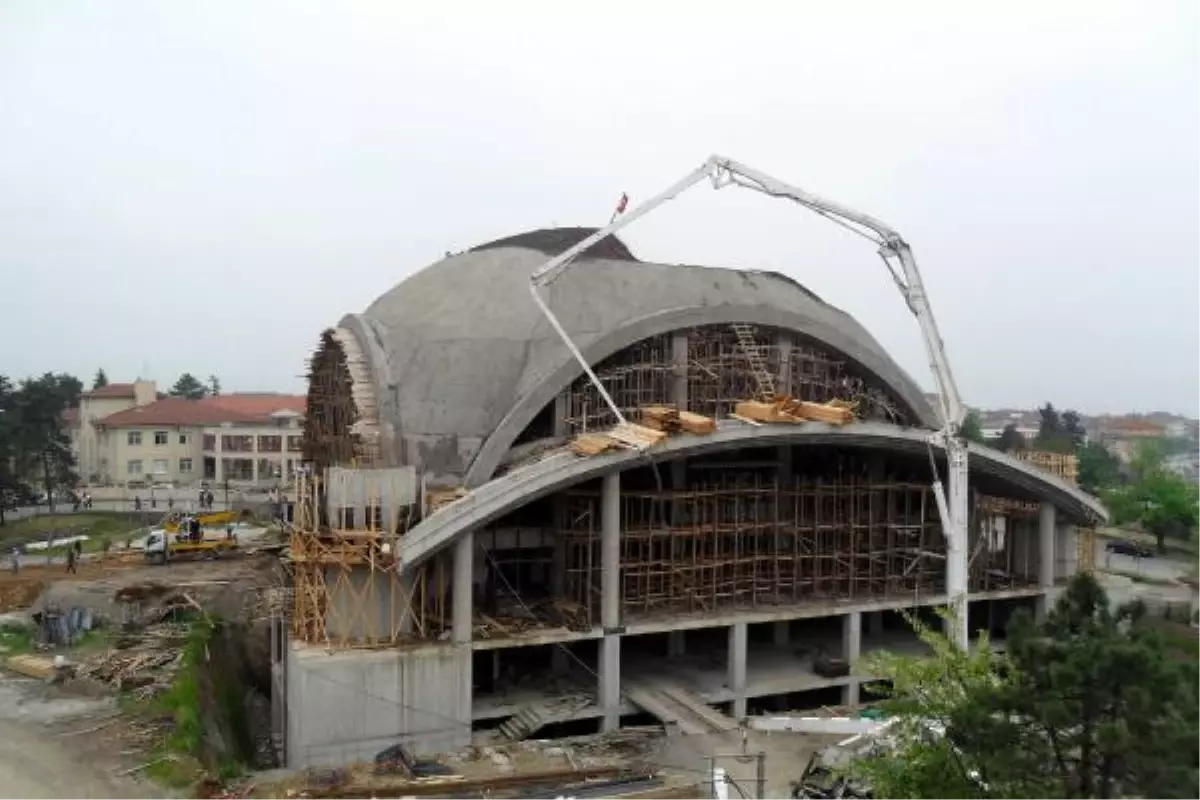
(1047, 516)
(559, 660)
(463, 588)
(737, 667)
(560, 415)
(851, 650)
(1066, 537)
(679, 370)
(783, 343)
(610, 601)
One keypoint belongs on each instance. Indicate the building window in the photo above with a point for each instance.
(161, 466)
(270, 444)
(161, 437)
(134, 439)
(210, 442)
(183, 438)
(237, 444)
(293, 444)
(238, 469)
(134, 467)
(185, 465)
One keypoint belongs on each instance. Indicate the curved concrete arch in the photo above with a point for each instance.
(563, 470)
(567, 370)
(461, 359)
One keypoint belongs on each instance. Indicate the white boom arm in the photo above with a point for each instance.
(895, 252)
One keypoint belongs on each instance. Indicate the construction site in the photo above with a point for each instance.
(485, 550)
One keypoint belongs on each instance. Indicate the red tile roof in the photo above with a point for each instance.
(181, 412)
(262, 404)
(113, 390)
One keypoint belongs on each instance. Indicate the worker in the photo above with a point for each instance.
(197, 534)
(72, 558)
(15, 555)
(137, 503)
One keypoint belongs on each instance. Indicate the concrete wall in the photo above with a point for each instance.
(365, 606)
(158, 462)
(347, 706)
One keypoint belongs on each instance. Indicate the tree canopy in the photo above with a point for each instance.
(1089, 702)
(972, 428)
(1166, 504)
(188, 386)
(100, 380)
(34, 448)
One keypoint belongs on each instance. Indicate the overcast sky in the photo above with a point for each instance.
(205, 186)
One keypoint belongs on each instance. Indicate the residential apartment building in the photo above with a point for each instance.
(245, 439)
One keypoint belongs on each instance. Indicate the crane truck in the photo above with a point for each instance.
(898, 258)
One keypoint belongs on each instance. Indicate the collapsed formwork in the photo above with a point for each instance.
(718, 373)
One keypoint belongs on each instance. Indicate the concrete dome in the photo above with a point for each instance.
(459, 360)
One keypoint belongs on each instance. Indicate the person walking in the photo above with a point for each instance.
(72, 559)
(15, 556)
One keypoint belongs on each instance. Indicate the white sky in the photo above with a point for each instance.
(205, 186)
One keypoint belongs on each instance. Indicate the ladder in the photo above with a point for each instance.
(758, 363)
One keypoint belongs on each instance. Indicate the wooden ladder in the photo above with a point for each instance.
(758, 363)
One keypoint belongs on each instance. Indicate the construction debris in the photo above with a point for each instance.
(657, 423)
(671, 420)
(629, 435)
(436, 499)
(787, 409)
(144, 662)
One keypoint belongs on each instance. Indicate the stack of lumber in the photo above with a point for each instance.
(787, 409)
(671, 420)
(436, 499)
(146, 661)
(629, 435)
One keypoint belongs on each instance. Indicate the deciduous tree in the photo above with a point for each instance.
(100, 380)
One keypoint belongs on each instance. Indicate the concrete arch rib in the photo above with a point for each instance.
(563, 470)
(862, 353)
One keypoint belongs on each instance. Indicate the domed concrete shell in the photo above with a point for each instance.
(462, 360)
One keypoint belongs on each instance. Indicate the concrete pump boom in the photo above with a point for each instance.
(897, 256)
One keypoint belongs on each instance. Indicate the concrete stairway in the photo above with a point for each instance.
(521, 725)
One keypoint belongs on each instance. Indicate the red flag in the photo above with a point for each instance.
(622, 203)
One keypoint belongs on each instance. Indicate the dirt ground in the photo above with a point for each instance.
(44, 754)
(72, 741)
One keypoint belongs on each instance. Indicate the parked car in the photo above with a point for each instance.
(1128, 548)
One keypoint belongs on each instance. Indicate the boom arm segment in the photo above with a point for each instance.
(898, 258)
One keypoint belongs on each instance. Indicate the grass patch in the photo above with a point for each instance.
(16, 641)
(101, 527)
(180, 753)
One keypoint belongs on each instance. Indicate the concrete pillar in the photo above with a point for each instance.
(463, 588)
(782, 633)
(610, 601)
(679, 365)
(1047, 515)
(560, 415)
(610, 681)
(1066, 542)
(737, 667)
(676, 644)
(610, 551)
(958, 506)
(783, 342)
(851, 650)
(560, 661)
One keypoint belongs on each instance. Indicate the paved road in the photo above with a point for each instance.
(1156, 567)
